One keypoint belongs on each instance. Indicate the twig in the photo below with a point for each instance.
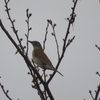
(45, 35)
(22, 54)
(98, 73)
(12, 23)
(91, 94)
(71, 21)
(97, 47)
(36, 84)
(5, 92)
(69, 42)
(53, 27)
(54, 34)
(27, 61)
(28, 29)
(44, 74)
(97, 93)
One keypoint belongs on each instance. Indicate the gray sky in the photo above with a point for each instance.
(81, 60)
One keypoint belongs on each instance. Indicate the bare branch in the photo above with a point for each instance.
(53, 27)
(54, 34)
(12, 23)
(98, 73)
(69, 42)
(97, 93)
(28, 29)
(22, 54)
(5, 92)
(45, 76)
(45, 35)
(27, 61)
(36, 84)
(37, 79)
(71, 21)
(97, 47)
(91, 94)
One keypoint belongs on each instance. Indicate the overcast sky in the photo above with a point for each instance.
(81, 60)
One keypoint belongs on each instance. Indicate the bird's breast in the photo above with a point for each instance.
(36, 59)
(40, 58)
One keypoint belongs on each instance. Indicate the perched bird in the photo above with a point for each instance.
(40, 58)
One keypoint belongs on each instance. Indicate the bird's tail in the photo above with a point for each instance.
(54, 69)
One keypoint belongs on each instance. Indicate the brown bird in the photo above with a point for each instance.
(40, 58)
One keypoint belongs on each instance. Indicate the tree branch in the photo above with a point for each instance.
(28, 29)
(22, 54)
(27, 61)
(97, 47)
(45, 35)
(12, 23)
(97, 93)
(5, 92)
(54, 34)
(71, 21)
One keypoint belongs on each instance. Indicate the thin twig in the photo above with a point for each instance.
(45, 35)
(44, 74)
(97, 47)
(28, 29)
(28, 62)
(53, 27)
(98, 73)
(54, 34)
(36, 84)
(5, 92)
(71, 21)
(97, 93)
(69, 42)
(22, 54)
(91, 94)
(12, 23)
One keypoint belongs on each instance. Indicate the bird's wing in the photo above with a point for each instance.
(39, 54)
(42, 57)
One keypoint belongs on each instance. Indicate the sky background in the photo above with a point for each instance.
(81, 60)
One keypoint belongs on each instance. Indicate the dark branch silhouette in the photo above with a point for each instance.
(5, 92)
(37, 79)
(65, 39)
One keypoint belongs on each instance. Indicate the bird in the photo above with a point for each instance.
(40, 58)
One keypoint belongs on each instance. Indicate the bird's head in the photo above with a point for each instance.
(36, 44)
